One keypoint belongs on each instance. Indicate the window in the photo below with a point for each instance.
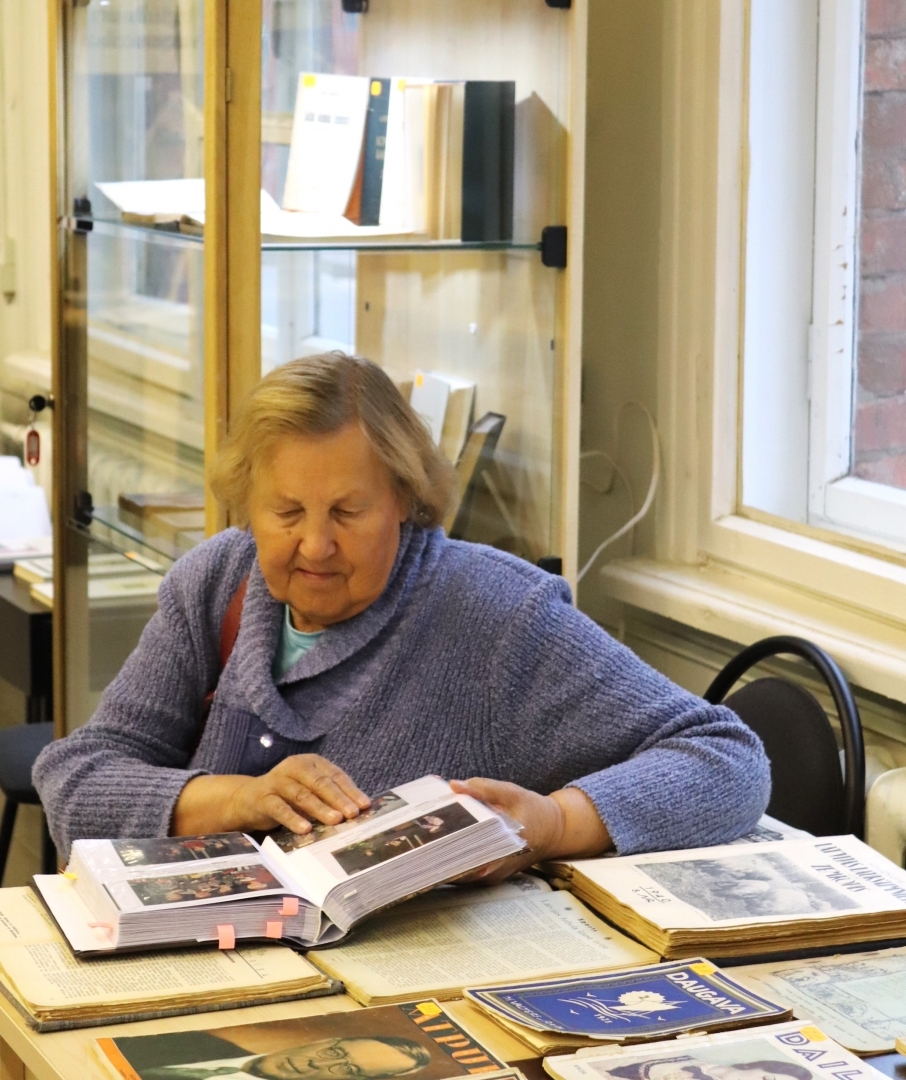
(824, 323)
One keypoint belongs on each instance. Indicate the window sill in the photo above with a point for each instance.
(744, 606)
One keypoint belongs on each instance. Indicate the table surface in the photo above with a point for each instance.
(63, 1055)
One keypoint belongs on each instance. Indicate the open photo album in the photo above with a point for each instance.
(306, 889)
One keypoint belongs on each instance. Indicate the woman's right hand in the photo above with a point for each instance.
(300, 789)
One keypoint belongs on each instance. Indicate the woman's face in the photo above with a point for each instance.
(326, 520)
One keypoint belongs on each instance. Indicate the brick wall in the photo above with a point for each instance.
(880, 427)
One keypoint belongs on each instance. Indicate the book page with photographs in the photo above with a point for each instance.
(405, 819)
(171, 872)
(792, 1051)
(778, 881)
(478, 940)
(858, 998)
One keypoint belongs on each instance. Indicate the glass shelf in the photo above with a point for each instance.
(110, 528)
(171, 232)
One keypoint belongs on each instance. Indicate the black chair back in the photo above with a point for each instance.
(808, 789)
(806, 778)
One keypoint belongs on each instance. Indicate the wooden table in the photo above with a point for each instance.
(70, 1055)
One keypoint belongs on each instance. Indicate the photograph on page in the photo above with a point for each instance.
(385, 803)
(152, 851)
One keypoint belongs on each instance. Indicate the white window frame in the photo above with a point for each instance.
(836, 499)
(716, 566)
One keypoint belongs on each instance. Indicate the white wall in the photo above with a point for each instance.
(24, 177)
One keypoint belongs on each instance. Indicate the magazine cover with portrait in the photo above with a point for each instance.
(417, 1040)
(795, 1051)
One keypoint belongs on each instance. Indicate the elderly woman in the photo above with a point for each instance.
(373, 650)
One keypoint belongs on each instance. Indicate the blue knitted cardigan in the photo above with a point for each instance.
(470, 663)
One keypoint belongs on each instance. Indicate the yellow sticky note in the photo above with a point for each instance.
(309, 80)
(813, 1034)
(375, 87)
(429, 1008)
(401, 85)
(419, 379)
(703, 968)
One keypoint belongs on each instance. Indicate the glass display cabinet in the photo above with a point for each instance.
(243, 182)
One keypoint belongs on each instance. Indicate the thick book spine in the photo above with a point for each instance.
(488, 153)
(374, 152)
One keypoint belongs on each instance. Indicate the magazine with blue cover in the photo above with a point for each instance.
(651, 1002)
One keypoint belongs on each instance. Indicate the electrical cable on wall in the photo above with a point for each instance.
(652, 487)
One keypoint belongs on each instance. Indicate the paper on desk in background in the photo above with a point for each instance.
(858, 998)
(767, 1051)
(11, 551)
(54, 990)
(23, 506)
(768, 828)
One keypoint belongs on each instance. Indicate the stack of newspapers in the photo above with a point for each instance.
(747, 900)
(306, 889)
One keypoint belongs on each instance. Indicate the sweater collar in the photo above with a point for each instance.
(249, 669)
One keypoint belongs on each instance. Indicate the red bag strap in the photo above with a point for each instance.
(229, 628)
(229, 631)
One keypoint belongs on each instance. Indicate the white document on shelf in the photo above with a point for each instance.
(326, 144)
(156, 198)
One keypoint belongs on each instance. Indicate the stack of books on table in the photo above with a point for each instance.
(54, 990)
(748, 900)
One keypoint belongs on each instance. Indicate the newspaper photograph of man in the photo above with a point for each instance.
(417, 1040)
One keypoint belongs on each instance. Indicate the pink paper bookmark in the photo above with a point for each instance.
(273, 930)
(226, 936)
(290, 905)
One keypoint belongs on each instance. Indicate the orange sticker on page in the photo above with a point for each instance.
(226, 936)
(273, 929)
(290, 905)
(813, 1034)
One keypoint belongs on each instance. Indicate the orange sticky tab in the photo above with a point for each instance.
(290, 905)
(273, 929)
(226, 937)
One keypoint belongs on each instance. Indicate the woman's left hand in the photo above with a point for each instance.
(564, 824)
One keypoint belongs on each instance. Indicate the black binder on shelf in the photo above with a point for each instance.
(488, 155)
